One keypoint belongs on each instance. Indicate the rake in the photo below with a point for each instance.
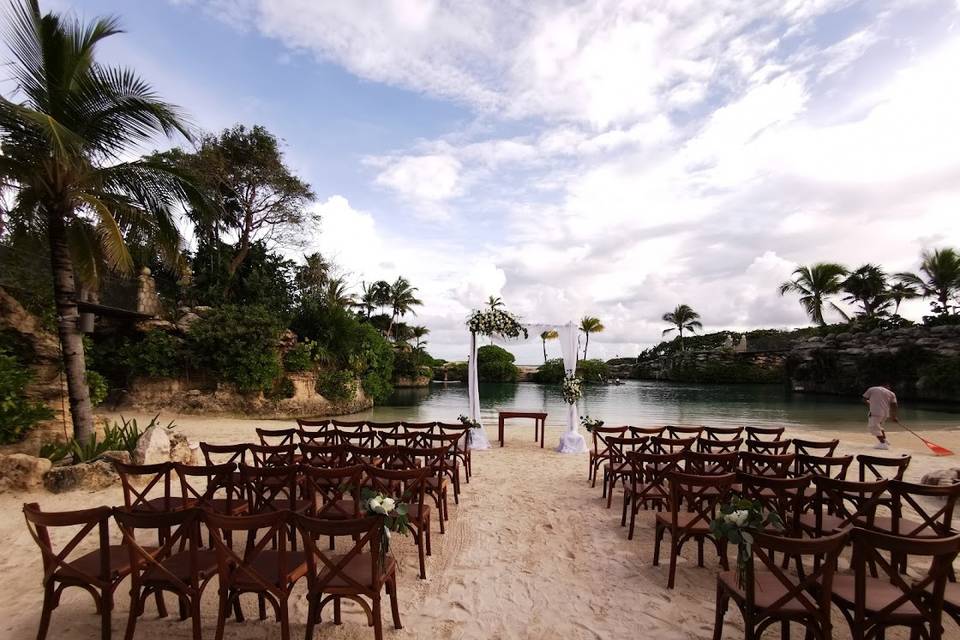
(933, 446)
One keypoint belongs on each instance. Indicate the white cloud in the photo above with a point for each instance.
(427, 181)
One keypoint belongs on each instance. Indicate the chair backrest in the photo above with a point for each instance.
(269, 488)
(303, 423)
(778, 447)
(350, 425)
(177, 532)
(815, 447)
(217, 484)
(698, 497)
(436, 440)
(448, 428)
(357, 438)
(721, 433)
(155, 494)
(705, 464)
(277, 437)
(855, 503)
(873, 468)
(60, 558)
(323, 455)
(829, 466)
(323, 436)
(618, 447)
(432, 457)
(677, 432)
(403, 485)
(265, 456)
(812, 589)
(925, 593)
(766, 464)
(923, 510)
(389, 439)
(600, 435)
(764, 433)
(333, 492)
(639, 432)
(368, 455)
(705, 445)
(235, 453)
(264, 560)
(659, 444)
(384, 427)
(421, 427)
(331, 567)
(650, 471)
(784, 496)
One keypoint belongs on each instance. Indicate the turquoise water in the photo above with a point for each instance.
(655, 403)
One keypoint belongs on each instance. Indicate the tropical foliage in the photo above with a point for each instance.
(18, 413)
(589, 324)
(550, 334)
(682, 318)
(815, 285)
(496, 364)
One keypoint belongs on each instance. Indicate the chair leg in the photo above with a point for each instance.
(634, 507)
(626, 501)
(377, 621)
(394, 605)
(311, 616)
(674, 553)
(223, 607)
(47, 611)
(336, 610)
(456, 486)
(423, 563)
(722, 602)
(426, 528)
(195, 617)
(699, 552)
(134, 611)
(784, 630)
(262, 606)
(440, 514)
(284, 620)
(106, 611)
(657, 538)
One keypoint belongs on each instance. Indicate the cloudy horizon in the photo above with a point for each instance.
(605, 158)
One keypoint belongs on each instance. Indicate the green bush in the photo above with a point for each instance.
(282, 388)
(18, 415)
(298, 358)
(593, 371)
(157, 355)
(941, 379)
(495, 364)
(239, 345)
(98, 387)
(336, 386)
(550, 372)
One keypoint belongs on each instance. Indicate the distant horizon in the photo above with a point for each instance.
(594, 159)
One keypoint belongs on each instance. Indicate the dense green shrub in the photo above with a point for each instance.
(593, 371)
(941, 379)
(336, 386)
(495, 364)
(409, 363)
(298, 358)
(282, 388)
(239, 345)
(18, 415)
(725, 373)
(550, 372)
(98, 387)
(157, 354)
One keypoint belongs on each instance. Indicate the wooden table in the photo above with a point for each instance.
(539, 422)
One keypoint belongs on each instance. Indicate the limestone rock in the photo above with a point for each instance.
(184, 322)
(182, 450)
(153, 446)
(123, 457)
(941, 477)
(20, 472)
(90, 476)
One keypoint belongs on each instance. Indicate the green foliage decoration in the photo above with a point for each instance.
(18, 414)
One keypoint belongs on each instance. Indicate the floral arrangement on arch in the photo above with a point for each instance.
(572, 389)
(496, 322)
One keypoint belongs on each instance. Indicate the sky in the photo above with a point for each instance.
(584, 157)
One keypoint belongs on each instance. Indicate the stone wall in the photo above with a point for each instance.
(200, 396)
(920, 362)
(722, 366)
(405, 382)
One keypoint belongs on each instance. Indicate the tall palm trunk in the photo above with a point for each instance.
(680, 333)
(68, 328)
(586, 345)
(544, 341)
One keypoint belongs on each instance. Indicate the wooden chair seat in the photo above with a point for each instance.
(179, 565)
(220, 505)
(338, 510)
(880, 593)
(684, 521)
(830, 523)
(417, 513)
(89, 563)
(768, 590)
(266, 563)
(162, 504)
(359, 569)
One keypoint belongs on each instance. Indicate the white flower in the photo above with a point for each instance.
(738, 517)
(388, 505)
(376, 504)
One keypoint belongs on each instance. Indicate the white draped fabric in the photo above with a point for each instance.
(478, 437)
(571, 441)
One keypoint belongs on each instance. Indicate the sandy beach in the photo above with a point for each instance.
(530, 552)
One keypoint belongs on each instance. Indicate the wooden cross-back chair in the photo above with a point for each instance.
(719, 434)
(304, 423)
(764, 433)
(264, 456)
(98, 572)
(662, 445)
(322, 437)
(815, 447)
(355, 454)
(775, 447)
(787, 497)
(648, 483)
(277, 437)
(694, 503)
(451, 461)
(420, 427)
(323, 455)
(333, 494)
(178, 565)
(435, 459)
(772, 595)
(709, 464)
(272, 489)
(408, 486)
(234, 453)
(617, 468)
(357, 438)
(766, 464)
(360, 575)
(350, 425)
(873, 468)
(640, 432)
(919, 510)
(828, 466)
(150, 488)
(838, 504)
(683, 432)
(270, 573)
(600, 452)
(212, 487)
(871, 605)
(462, 451)
(387, 439)
(384, 427)
(719, 446)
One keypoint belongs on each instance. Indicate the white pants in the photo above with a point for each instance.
(875, 424)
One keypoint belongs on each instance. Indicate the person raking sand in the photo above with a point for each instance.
(883, 406)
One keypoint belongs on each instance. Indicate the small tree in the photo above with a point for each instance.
(550, 334)
(867, 287)
(589, 324)
(939, 278)
(682, 318)
(815, 284)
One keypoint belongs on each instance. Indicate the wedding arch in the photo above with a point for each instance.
(505, 328)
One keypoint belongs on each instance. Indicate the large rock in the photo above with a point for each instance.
(123, 457)
(943, 476)
(182, 450)
(91, 476)
(153, 446)
(20, 472)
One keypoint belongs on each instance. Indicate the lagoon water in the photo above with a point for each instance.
(656, 403)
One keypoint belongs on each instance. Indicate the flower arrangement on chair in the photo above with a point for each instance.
(737, 522)
(467, 422)
(572, 389)
(394, 514)
(589, 424)
(496, 322)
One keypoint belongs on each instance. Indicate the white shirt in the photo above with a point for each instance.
(880, 399)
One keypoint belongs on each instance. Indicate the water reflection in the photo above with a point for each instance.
(639, 403)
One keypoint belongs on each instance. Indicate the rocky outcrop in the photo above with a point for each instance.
(921, 363)
(20, 472)
(91, 476)
(182, 450)
(721, 366)
(153, 447)
(197, 396)
(404, 382)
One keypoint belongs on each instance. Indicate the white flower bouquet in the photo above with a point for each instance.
(736, 523)
(589, 424)
(394, 515)
(467, 422)
(572, 389)
(496, 322)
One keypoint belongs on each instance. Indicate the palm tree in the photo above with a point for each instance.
(403, 300)
(814, 284)
(588, 325)
(494, 303)
(900, 291)
(551, 334)
(65, 133)
(419, 333)
(867, 286)
(939, 278)
(335, 293)
(368, 300)
(683, 317)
